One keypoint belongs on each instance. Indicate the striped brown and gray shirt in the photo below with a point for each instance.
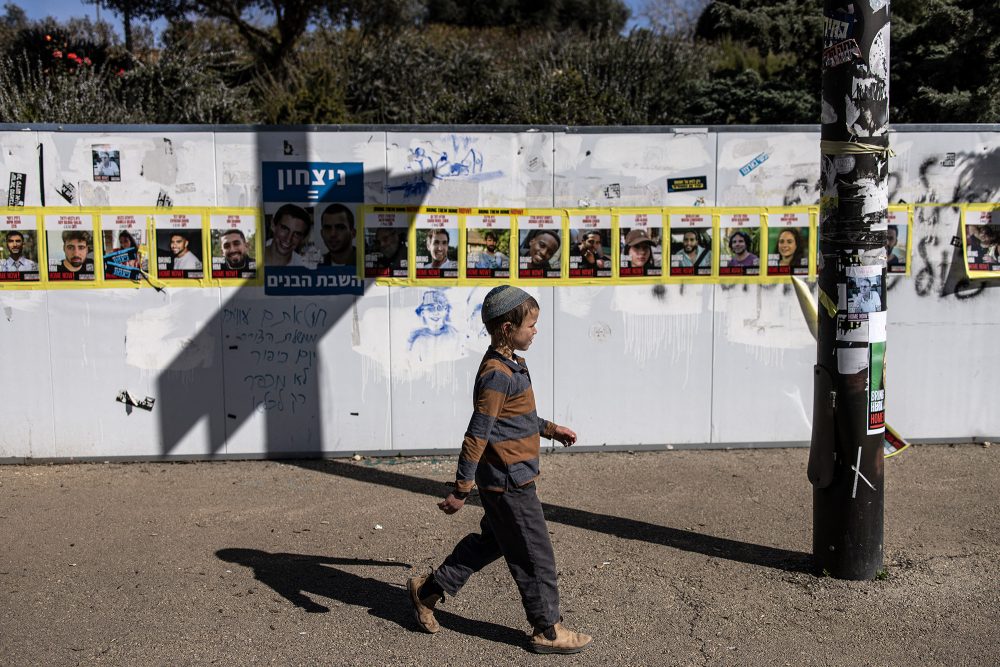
(501, 445)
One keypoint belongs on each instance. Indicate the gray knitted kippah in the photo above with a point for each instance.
(502, 300)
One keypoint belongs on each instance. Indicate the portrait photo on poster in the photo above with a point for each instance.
(287, 240)
(125, 250)
(71, 254)
(895, 243)
(232, 239)
(788, 250)
(487, 251)
(641, 251)
(308, 249)
(386, 250)
(539, 253)
(691, 251)
(982, 242)
(739, 253)
(337, 230)
(589, 253)
(178, 253)
(106, 162)
(865, 291)
(18, 254)
(437, 252)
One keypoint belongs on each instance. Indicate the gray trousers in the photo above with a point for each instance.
(513, 526)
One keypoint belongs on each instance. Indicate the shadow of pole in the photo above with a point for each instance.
(629, 529)
(268, 346)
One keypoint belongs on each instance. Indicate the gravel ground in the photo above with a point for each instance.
(667, 558)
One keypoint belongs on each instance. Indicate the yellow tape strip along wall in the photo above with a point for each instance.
(536, 246)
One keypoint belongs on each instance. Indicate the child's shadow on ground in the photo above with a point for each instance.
(300, 577)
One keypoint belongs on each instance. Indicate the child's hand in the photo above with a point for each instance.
(564, 435)
(451, 504)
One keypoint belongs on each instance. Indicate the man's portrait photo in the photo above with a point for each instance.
(17, 252)
(71, 255)
(107, 164)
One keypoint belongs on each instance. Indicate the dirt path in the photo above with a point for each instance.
(667, 558)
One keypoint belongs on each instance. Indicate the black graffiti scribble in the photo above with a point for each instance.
(68, 192)
(966, 289)
(923, 280)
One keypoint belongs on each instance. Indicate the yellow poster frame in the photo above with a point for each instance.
(759, 211)
(203, 213)
(664, 259)
(965, 209)
(812, 213)
(693, 279)
(94, 214)
(516, 215)
(145, 213)
(908, 209)
(560, 213)
(463, 264)
(404, 209)
(258, 246)
(42, 282)
(444, 210)
(591, 280)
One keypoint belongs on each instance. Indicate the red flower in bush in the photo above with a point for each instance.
(57, 54)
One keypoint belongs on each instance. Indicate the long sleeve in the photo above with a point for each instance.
(490, 394)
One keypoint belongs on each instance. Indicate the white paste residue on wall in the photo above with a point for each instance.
(659, 317)
(646, 336)
(94, 195)
(766, 325)
(26, 301)
(637, 156)
(159, 162)
(659, 299)
(577, 301)
(787, 178)
(149, 345)
(372, 326)
(798, 406)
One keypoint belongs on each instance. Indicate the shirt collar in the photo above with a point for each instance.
(516, 364)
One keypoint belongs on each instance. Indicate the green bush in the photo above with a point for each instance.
(174, 89)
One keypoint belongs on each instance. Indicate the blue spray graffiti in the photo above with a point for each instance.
(430, 166)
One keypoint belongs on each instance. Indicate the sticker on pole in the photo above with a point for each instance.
(876, 388)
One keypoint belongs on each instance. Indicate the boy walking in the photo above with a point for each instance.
(500, 455)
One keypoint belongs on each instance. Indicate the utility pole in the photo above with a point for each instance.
(845, 459)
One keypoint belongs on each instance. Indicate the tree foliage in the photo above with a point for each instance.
(945, 61)
(131, 11)
(507, 62)
(601, 17)
(950, 65)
